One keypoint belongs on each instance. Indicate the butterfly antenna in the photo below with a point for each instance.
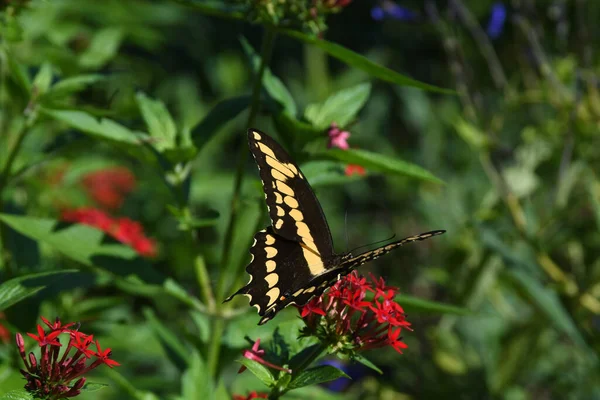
(371, 244)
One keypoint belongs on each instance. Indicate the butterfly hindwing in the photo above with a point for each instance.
(294, 210)
(277, 268)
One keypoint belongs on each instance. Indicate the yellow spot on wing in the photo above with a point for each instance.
(279, 224)
(310, 289)
(280, 211)
(278, 198)
(271, 252)
(272, 279)
(291, 167)
(256, 135)
(298, 293)
(272, 161)
(290, 201)
(269, 240)
(303, 231)
(270, 265)
(285, 189)
(315, 264)
(273, 295)
(266, 149)
(278, 175)
(297, 214)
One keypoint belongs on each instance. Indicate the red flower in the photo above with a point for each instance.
(348, 323)
(256, 354)
(352, 169)
(108, 187)
(337, 137)
(124, 230)
(251, 395)
(4, 332)
(54, 377)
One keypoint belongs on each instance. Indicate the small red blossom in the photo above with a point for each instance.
(347, 322)
(124, 230)
(251, 395)
(354, 169)
(337, 137)
(52, 376)
(108, 187)
(4, 332)
(256, 354)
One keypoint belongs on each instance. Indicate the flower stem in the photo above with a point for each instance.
(265, 56)
(307, 359)
(218, 328)
(5, 176)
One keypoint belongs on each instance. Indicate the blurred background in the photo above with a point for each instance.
(517, 147)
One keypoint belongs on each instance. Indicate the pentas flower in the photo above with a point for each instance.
(124, 230)
(387, 8)
(337, 137)
(55, 376)
(256, 354)
(497, 19)
(108, 187)
(4, 332)
(251, 395)
(344, 320)
(352, 169)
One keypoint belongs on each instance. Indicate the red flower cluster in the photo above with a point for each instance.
(251, 395)
(344, 320)
(49, 378)
(124, 230)
(4, 332)
(108, 187)
(352, 169)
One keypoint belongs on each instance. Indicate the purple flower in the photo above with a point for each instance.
(497, 19)
(390, 9)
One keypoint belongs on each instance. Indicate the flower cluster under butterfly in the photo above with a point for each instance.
(293, 260)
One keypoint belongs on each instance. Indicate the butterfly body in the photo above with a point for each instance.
(293, 259)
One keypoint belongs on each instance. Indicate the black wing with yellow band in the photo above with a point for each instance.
(293, 259)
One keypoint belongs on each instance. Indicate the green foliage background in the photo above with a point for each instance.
(504, 305)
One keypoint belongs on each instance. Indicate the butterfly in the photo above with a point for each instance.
(293, 259)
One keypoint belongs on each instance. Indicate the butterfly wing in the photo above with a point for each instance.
(277, 271)
(293, 207)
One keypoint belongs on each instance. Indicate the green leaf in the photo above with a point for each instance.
(380, 162)
(471, 134)
(363, 63)
(159, 122)
(316, 375)
(548, 303)
(74, 84)
(18, 289)
(196, 382)
(272, 84)
(102, 129)
(43, 79)
(340, 107)
(93, 387)
(218, 116)
(367, 363)
(79, 242)
(259, 370)
(16, 395)
(102, 48)
(172, 344)
(19, 73)
(415, 304)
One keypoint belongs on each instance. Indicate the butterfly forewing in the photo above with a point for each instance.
(294, 210)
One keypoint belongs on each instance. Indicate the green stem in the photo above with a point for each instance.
(5, 176)
(308, 358)
(265, 56)
(218, 328)
(204, 282)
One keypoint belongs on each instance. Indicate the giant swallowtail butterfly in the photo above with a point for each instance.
(293, 259)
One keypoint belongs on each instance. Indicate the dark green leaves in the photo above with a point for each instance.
(361, 62)
(18, 289)
(382, 163)
(316, 375)
(219, 115)
(17, 395)
(103, 128)
(341, 107)
(259, 370)
(159, 122)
